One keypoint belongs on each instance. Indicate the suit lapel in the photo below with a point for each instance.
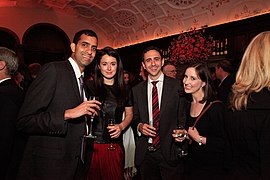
(165, 94)
(144, 98)
(73, 80)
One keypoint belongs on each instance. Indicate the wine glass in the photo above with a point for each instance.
(151, 147)
(111, 122)
(89, 127)
(180, 132)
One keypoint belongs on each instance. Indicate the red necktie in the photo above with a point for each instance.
(156, 114)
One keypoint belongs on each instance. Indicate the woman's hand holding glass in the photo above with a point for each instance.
(180, 134)
(115, 131)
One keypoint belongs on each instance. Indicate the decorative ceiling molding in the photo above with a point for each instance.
(127, 22)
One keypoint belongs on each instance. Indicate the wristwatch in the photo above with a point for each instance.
(200, 141)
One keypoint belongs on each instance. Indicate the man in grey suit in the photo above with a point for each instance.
(53, 115)
(157, 159)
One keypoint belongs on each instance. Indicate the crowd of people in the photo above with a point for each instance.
(212, 123)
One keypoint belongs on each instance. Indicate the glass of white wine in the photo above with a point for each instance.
(111, 122)
(89, 126)
(181, 133)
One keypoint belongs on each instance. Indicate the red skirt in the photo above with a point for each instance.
(107, 164)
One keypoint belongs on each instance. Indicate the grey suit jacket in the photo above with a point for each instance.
(171, 112)
(53, 148)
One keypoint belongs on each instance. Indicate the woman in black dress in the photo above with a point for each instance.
(205, 158)
(108, 155)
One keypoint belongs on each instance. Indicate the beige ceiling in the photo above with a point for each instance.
(126, 22)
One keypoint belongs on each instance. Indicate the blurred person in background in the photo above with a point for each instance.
(224, 74)
(34, 69)
(169, 70)
(11, 97)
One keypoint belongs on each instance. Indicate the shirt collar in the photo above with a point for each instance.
(2, 80)
(159, 79)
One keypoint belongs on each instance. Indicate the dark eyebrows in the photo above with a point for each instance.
(86, 43)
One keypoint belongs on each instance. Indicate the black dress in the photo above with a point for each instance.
(248, 132)
(112, 107)
(206, 161)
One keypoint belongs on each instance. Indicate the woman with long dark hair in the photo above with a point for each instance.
(108, 84)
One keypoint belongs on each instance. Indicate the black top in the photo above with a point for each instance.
(207, 160)
(113, 106)
(248, 132)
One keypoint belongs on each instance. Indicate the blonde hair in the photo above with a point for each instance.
(254, 71)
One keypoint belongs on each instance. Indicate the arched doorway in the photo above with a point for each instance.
(9, 39)
(44, 43)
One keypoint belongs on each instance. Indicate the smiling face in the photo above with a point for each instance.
(192, 82)
(152, 63)
(108, 67)
(84, 51)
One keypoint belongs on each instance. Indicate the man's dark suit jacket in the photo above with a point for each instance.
(171, 111)
(53, 149)
(11, 97)
(225, 89)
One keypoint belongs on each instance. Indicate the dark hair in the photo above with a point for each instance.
(225, 65)
(212, 70)
(118, 78)
(204, 74)
(149, 49)
(87, 32)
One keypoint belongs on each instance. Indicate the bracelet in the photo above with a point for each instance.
(200, 141)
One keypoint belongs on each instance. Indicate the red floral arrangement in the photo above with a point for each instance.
(191, 47)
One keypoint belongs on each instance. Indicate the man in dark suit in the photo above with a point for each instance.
(11, 97)
(157, 159)
(53, 115)
(223, 73)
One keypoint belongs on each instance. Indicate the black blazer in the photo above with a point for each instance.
(225, 89)
(249, 136)
(11, 97)
(53, 148)
(171, 111)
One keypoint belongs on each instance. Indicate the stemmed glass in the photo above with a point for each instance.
(180, 132)
(89, 128)
(151, 147)
(111, 122)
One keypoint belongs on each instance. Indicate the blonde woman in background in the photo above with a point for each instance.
(248, 120)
